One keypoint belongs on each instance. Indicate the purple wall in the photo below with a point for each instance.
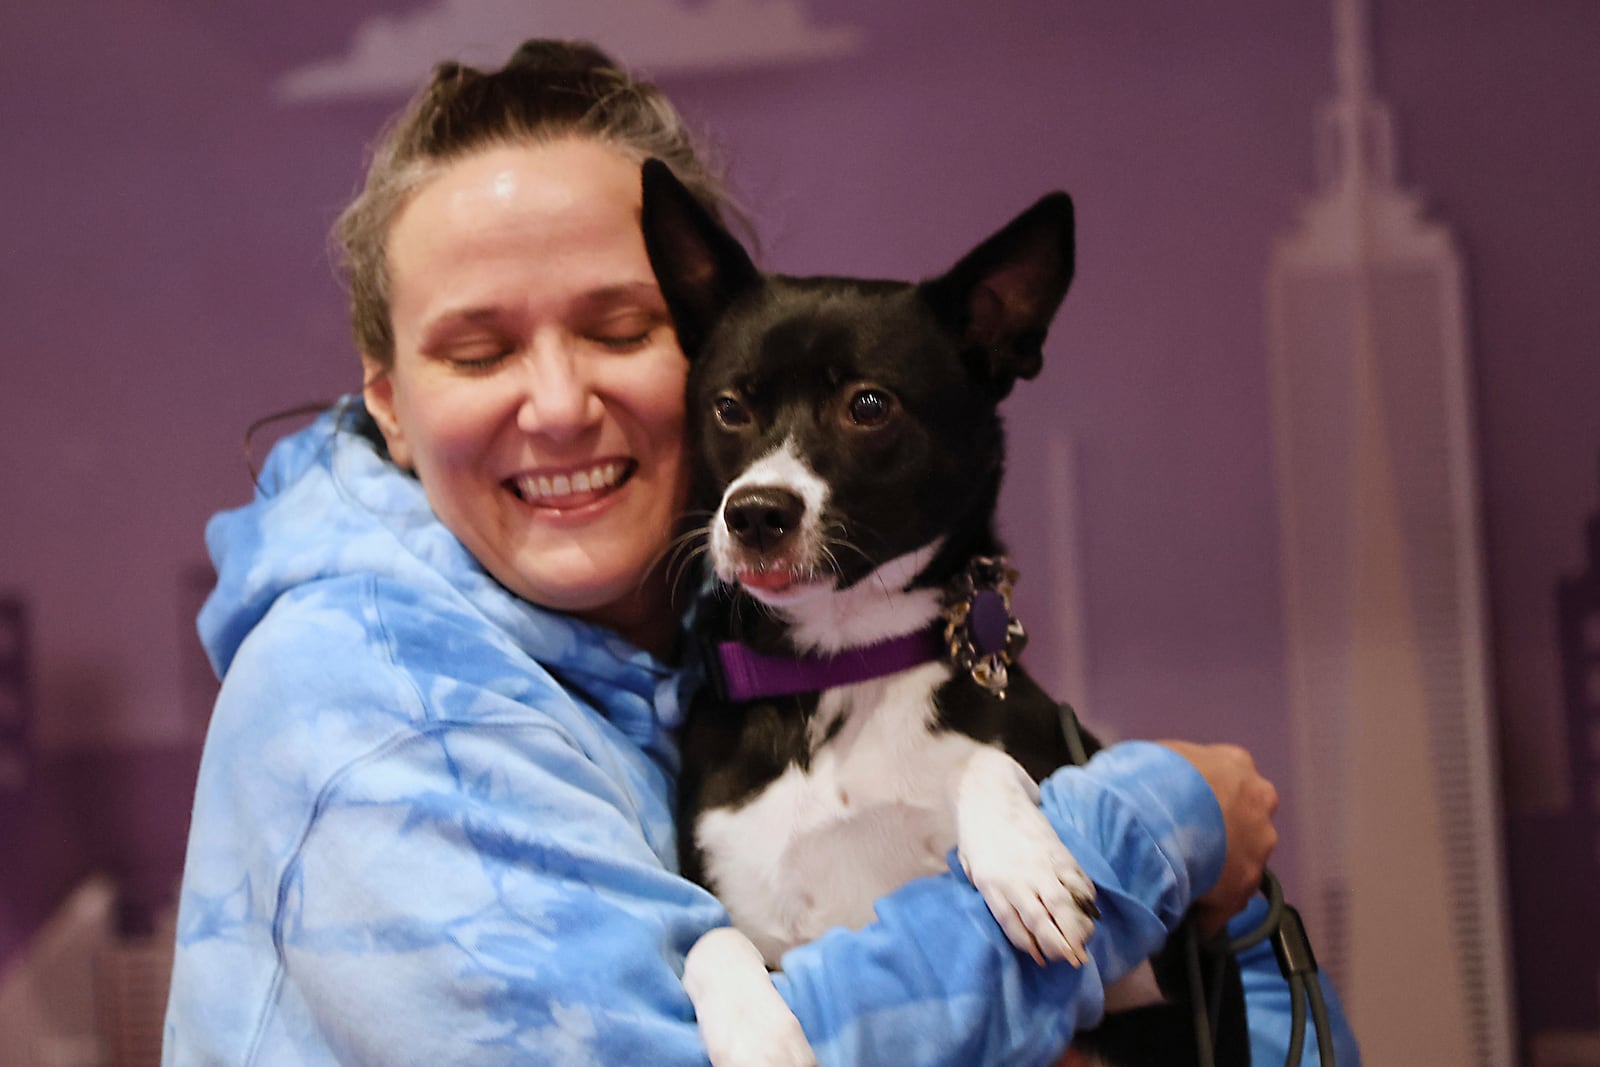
(165, 281)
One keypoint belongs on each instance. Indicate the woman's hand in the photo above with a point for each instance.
(1248, 802)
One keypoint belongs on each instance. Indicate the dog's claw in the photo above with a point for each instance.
(1035, 889)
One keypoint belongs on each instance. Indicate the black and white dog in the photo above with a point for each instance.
(871, 717)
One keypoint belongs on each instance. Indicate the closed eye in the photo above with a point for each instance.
(478, 357)
(625, 329)
(624, 342)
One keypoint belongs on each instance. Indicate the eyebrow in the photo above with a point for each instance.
(612, 294)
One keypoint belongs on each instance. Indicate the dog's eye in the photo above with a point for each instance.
(730, 412)
(871, 407)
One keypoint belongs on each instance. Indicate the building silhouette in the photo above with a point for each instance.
(16, 704)
(1558, 923)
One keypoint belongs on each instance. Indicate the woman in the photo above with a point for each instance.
(433, 820)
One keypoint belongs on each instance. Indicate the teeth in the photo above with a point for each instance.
(592, 480)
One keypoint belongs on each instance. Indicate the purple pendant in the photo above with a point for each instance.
(982, 635)
(989, 621)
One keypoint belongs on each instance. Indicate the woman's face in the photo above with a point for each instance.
(537, 386)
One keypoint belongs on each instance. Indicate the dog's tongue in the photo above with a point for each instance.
(772, 581)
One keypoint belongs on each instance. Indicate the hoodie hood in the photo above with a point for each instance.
(329, 505)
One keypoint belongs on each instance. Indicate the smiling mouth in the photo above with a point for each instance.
(575, 488)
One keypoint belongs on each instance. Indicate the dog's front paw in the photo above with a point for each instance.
(743, 1020)
(1035, 889)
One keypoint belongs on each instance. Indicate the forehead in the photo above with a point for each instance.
(564, 210)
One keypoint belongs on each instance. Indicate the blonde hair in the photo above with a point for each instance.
(548, 90)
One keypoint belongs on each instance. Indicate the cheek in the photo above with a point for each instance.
(445, 430)
(677, 453)
(659, 403)
(670, 430)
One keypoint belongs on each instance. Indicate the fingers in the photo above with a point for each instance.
(1248, 801)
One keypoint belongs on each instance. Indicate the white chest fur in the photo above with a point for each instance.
(816, 848)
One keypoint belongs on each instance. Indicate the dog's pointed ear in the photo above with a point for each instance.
(699, 265)
(1003, 294)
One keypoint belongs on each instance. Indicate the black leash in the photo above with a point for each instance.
(1290, 946)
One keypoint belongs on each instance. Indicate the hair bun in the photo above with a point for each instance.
(545, 56)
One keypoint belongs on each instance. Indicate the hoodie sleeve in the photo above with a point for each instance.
(934, 980)
(484, 892)
(484, 895)
(508, 916)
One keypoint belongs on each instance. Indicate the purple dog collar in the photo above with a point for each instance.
(748, 674)
(979, 636)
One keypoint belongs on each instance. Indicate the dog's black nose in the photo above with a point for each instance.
(762, 516)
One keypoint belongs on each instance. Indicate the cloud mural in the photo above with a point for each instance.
(390, 54)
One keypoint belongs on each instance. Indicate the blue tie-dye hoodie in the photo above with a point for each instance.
(433, 825)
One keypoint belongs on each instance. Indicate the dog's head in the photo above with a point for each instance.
(842, 424)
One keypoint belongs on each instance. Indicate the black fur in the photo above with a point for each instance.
(794, 355)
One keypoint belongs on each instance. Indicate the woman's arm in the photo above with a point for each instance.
(581, 943)
(486, 893)
(934, 980)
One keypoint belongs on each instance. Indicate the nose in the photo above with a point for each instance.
(762, 517)
(559, 401)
